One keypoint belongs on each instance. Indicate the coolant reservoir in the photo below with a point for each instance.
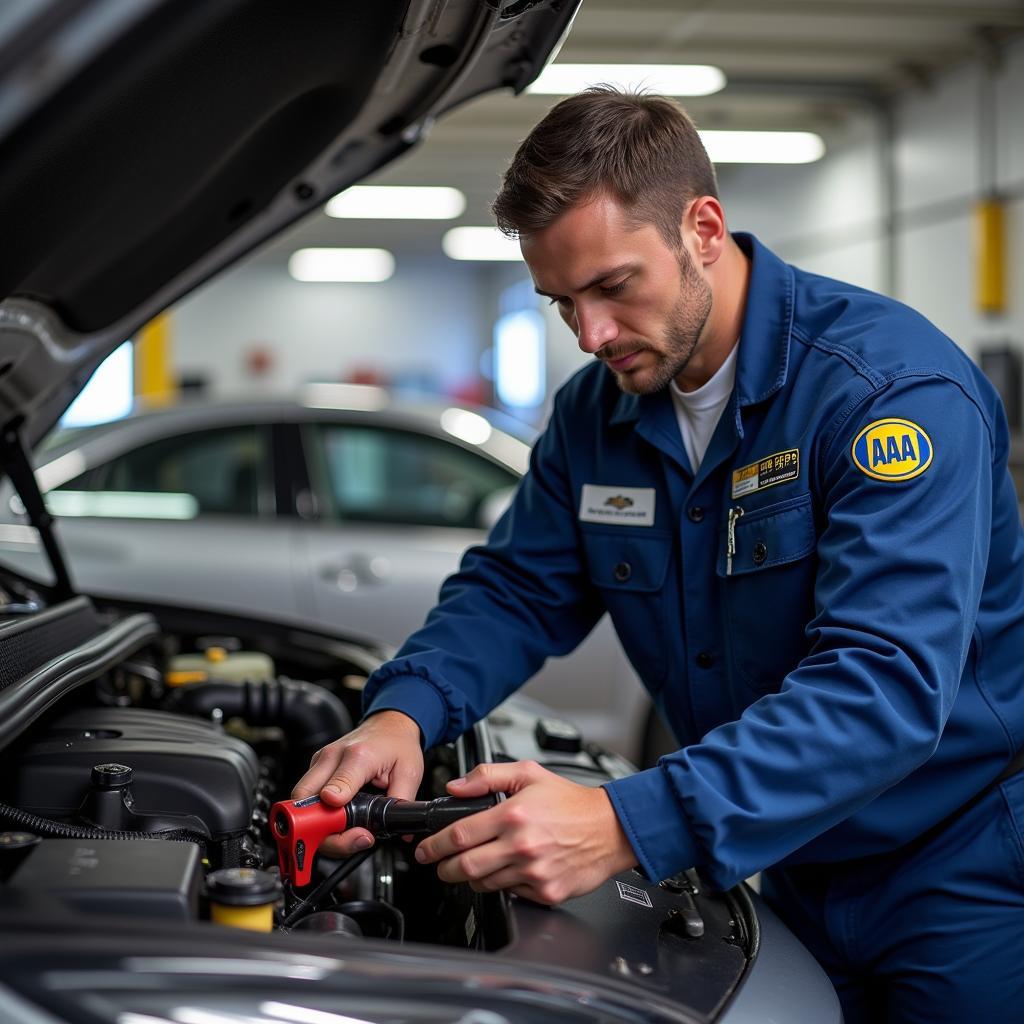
(243, 898)
(219, 663)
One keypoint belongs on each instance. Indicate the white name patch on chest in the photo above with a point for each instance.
(620, 506)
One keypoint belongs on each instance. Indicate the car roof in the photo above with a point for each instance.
(493, 434)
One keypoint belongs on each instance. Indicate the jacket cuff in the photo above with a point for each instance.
(650, 816)
(415, 697)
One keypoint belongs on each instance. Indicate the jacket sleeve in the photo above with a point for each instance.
(898, 583)
(518, 599)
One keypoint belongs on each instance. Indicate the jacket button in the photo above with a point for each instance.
(622, 571)
(760, 552)
(705, 660)
(696, 513)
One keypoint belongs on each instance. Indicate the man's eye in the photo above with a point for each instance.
(614, 289)
(559, 300)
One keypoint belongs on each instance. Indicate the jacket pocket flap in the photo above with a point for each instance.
(621, 560)
(770, 536)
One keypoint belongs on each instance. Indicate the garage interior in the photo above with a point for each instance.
(916, 102)
(256, 497)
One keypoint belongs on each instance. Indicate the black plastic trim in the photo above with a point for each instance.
(22, 703)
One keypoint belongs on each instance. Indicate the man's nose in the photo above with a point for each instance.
(594, 328)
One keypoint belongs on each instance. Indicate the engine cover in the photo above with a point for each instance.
(181, 765)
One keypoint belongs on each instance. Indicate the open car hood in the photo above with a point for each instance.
(147, 144)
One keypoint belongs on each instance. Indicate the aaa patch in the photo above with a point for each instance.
(892, 449)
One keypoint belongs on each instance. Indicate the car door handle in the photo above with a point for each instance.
(356, 571)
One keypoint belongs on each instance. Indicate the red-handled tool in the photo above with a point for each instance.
(300, 826)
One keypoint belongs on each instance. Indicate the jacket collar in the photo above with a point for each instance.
(763, 358)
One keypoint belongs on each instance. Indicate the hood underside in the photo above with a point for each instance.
(147, 144)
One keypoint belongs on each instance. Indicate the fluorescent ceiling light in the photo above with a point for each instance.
(480, 244)
(669, 79)
(763, 147)
(341, 265)
(398, 202)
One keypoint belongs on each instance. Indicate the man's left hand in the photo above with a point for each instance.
(550, 840)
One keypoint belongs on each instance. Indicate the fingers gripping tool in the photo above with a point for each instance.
(300, 826)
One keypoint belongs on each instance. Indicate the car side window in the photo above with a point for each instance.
(383, 475)
(223, 471)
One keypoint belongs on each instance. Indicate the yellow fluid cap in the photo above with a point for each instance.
(243, 898)
(216, 654)
(183, 677)
(253, 919)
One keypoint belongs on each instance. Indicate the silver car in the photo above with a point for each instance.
(344, 509)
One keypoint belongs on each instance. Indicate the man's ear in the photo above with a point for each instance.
(704, 222)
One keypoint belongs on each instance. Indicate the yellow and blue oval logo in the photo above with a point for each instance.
(892, 449)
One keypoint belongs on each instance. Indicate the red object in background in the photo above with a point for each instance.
(259, 361)
(471, 392)
(364, 375)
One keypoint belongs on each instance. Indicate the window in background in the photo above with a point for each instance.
(372, 475)
(519, 349)
(109, 393)
(220, 472)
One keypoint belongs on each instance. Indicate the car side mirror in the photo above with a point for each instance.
(493, 506)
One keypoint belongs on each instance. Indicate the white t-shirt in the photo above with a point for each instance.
(698, 411)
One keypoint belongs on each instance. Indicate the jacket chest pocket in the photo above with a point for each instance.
(767, 575)
(630, 570)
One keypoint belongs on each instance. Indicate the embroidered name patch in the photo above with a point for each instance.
(621, 506)
(779, 468)
(892, 449)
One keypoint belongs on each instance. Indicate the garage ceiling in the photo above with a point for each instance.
(790, 64)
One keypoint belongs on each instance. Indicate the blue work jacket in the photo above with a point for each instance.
(829, 613)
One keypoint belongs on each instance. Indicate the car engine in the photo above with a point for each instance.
(143, 751)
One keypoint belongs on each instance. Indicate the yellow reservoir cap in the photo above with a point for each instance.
(243, 898)
(253, 919)
(226, 666)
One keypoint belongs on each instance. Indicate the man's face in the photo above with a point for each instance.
(633, 301)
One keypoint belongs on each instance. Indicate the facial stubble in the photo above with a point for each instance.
(683, 328)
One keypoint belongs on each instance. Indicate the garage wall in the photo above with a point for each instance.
(953, 141)
(899, 219)
(827, 216)
(894, 218)
(425, 322)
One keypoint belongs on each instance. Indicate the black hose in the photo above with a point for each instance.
(310, 712)
(305, 904)
(63, 830)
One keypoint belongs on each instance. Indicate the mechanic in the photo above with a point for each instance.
(792, 497)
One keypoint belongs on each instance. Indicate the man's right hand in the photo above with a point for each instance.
(383, 751)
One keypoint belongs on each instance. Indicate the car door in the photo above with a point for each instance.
(395, 511)
(185, 518)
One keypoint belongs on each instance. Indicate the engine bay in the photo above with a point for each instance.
(143, 753)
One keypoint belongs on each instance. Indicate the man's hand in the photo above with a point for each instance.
(550, 840)
(383, 751)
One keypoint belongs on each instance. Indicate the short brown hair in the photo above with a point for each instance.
(643, 149)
